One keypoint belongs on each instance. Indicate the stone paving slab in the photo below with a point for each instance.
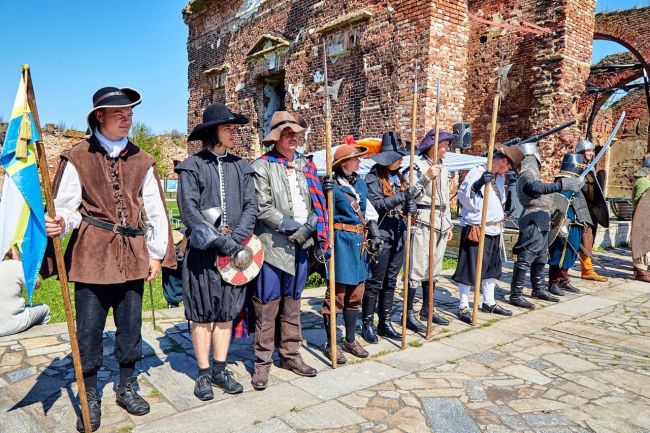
(479, 340)
(229, 415)
(16, 420)
(448, 415)
(274, 425)
(328, 415)
(580, 305)
(424, 357)
(335, 383)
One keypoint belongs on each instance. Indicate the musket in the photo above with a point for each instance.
(331, 283)
(432, 218)
(541, 136)
(409, 222)
(608, 143)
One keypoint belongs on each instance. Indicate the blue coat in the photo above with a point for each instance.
(350, 264)
(557, 248)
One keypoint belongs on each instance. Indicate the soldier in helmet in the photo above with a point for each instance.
(598, 212)
(531, 248)
(564, 249)
(640, 188)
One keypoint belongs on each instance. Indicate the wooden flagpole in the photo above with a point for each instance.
(58, 252)
(407, 243)
(432, 219)
(331, 283)
(486, 196)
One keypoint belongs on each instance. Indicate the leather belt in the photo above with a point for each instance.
(126, 230)
(358, 229)
(428, 207)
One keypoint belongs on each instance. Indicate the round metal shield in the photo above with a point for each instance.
(245, 266)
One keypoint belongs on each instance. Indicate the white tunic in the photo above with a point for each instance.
(473, 203)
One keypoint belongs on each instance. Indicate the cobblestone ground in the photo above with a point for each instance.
(582, 365)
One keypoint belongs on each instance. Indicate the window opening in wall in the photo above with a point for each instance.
(272, 89)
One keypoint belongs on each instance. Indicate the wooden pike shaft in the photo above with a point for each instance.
(331, 283)
(58, 252)
(407, 243)
(432, 219)
(486, 196)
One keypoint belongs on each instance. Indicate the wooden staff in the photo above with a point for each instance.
(486, 196)
(432, 218)
(407, 243)
(331, 283)
(58, 252)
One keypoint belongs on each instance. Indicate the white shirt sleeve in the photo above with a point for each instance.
(371, 212)
(468, 198)
(68, 198)
(156, 217)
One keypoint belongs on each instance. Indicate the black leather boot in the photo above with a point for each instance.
(517, 299)
(424, 311)
(556, 290)
(412, 323)
(537, 281)
(385, 326)
(127, 397)
(368, 306)
(566, 285)
(94, 409)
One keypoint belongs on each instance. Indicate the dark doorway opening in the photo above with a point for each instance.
(272, 91)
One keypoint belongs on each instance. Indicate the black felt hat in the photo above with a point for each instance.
(392, 149)
(111, 97)
(213, 116)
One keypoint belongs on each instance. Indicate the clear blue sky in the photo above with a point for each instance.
(75, 47)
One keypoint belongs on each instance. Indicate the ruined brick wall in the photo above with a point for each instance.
(630, 147)
(548, 73)
(376, 70)
(630, 27)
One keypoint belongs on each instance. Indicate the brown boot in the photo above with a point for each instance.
(340, 358)
(588, 271)
(264, 342)
(641, 275)
(291, 338)
(355, 349)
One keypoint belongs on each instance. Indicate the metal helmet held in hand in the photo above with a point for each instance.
(530, 148)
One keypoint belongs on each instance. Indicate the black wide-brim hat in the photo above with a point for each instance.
(213, 116)
(392, 149)
(111, 97)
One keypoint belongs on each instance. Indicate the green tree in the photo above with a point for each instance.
(143, 137)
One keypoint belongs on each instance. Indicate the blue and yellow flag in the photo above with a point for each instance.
(22, 218)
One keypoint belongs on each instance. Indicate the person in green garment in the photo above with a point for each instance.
(641, 185)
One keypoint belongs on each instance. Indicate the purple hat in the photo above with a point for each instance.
(427, 141)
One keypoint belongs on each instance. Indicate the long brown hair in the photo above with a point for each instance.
(382, 175)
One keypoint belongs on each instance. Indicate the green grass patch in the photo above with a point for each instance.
(415, 343)
(154, 393)
(295, 409)
(449, 263)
